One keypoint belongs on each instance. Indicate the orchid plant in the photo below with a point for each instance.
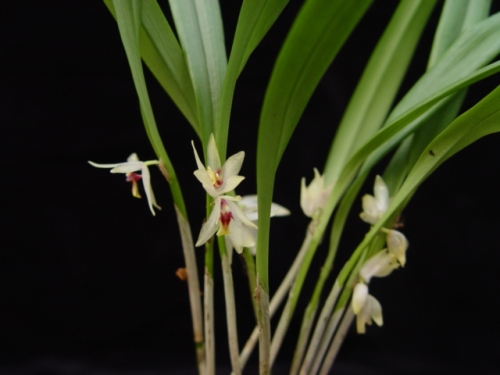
(419, 132)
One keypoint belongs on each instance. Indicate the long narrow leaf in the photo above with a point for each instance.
(255, 19)
(379, 83)
(199, 27)
(163, 56)
(316, 36)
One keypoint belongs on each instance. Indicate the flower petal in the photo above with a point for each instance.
(133, 157)
(359, 296)
(198, 161)
(230, 183)
(210, 226)
(360, 324)
(103, 165)
(238, 214)
(241, 235)
(381, 193)
(370, 212)
(146, 180)
(128, 167)
(213, 154)
(397, 244)
(205, 180)
(233, 164)
(278, 210)
(375, 310)
(379, 265)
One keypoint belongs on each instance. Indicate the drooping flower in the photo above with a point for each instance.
(216, 179)
(396, 244)
(227, 219)
(366, 307)
(249, 206)
(374, 206)
(380, 265)
(314, 196)
(132, 165)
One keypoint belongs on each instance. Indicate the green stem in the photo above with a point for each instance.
(337, 342)
(250, 267)
(193, 288)
(265, 329)
(277, 299)
(208, 301)
(232, 329)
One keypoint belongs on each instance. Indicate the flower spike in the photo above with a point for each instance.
(314, 196)
(216, 179)
(374, 206)
(133, 165)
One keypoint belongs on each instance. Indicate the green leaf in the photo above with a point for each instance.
(475, 47)
(316, 36)
(479, 121)
(455, 17)
(379, 83)
(128, 17)
(164, 57)
(255, 19)
(199, 27)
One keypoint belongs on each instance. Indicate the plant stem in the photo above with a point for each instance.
(277, 299)
(317, 352)
(264, 329)
(193, 288)
(321, 325)
(250, 267)
(232, 329)
(208, 301)
(337, 341)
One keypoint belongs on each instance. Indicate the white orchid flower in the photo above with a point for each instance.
(230, 221)
(380, 265)
(366, 307)
(314, 196)
(249, 206)
(132, 165)
(374, 206)
(216, 179)
(396, 244)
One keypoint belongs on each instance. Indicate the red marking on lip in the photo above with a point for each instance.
(133, 177)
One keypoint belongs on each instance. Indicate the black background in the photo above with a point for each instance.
(87, 274)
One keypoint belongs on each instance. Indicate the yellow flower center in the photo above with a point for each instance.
(216, 177)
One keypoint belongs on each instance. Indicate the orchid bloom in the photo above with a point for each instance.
(374, 206)
(133, 165)
(216, 179)
(230, 221)
(314, 196)
(396, 244)
(380, 265)
(366, 307)
(249, 206)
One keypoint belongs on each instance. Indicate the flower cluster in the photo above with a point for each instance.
(365, 306)
(233, 217)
